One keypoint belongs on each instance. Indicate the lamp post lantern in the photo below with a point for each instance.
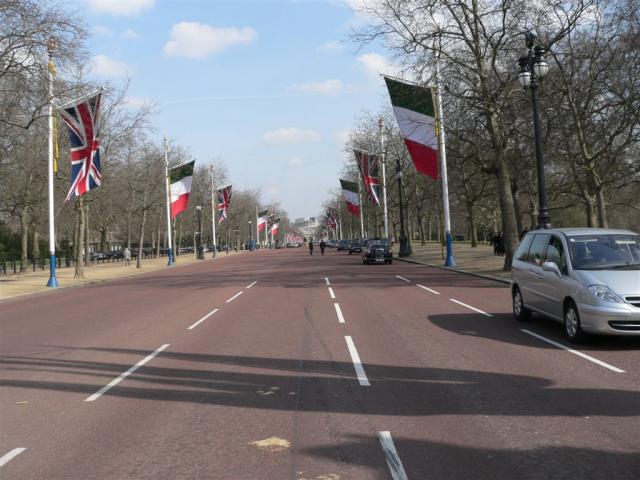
(533, 68)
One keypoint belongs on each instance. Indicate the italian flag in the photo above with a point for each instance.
(414, 110)
(263, 216)
(180, 179)
(350, 195)
(275, 227)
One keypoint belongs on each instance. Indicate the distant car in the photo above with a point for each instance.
(343, 245)
(332, 244)
(376, 250)
(586, 278)
(355, 247)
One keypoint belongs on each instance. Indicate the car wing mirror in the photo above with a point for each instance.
(551, 267)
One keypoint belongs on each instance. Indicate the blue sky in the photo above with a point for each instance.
(268, 87)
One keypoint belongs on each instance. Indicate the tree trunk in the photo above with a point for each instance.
(103, 240)
(602, 208)
(87, 253)
(472, 227)
(35, 243)
(590, 211)
(507, 210)
(141, 235)
(79, 273)
(24, 235)
(517, 209)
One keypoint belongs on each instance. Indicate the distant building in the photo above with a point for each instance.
(307, 226)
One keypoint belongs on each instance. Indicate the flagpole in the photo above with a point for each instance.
(384, 176)
(339, 221)
(213, 210)
(257, 228)
(168, 202)
(53, 281)
(361, 211)
(449, 262)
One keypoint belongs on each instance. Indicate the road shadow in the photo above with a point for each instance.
(319, 386)
(447, 461)
(503, 327)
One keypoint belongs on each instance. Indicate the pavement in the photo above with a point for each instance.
(282, 365)
(30, 282)
(478, 260)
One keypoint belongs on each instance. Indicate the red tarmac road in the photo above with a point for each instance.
(269, 385)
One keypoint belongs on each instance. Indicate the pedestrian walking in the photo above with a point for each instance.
(311, 247)
(323, 245)
(126, 253)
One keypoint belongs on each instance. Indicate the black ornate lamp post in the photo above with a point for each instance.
(405, 246)
(199, 248)
(533, 68)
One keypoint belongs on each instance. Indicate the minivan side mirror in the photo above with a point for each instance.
(551, 267)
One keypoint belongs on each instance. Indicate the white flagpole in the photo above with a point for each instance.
(257, 228)
(213, 210)
(449, 261)
(339, 221)
(168, 202)
(53, 281)
(384, 176)
(361, 211)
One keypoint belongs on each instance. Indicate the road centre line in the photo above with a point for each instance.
(391, 455)
(202, 319)
(333, 295)
(339, 313)
(124, 375)
(327, 280)
(252, 284)
(402, 278)
(471, 308)
(575, 352)
(7, 457)
(357, 364)
(428, 289)
(235, 296)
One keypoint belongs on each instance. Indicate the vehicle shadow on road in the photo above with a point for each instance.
(503, 327)
(319, 386)
(443, 460)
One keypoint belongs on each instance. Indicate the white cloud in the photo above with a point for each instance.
(197, 40)
(375, 64)
(332, 48)
(103, 66)
(102, 31)
(296, 161)
(120, 7)
(329, 87)
(129, 34)
(290, 135)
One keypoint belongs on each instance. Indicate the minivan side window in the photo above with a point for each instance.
(538, 250)
(556, 254)
(523, 249)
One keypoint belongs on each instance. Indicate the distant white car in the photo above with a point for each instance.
(586, 278)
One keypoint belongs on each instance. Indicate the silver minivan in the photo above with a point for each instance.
(586, 278)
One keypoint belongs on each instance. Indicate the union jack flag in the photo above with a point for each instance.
(224, 200)
(83, 122)
(368, 166)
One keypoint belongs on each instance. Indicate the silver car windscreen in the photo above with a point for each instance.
(604, 251)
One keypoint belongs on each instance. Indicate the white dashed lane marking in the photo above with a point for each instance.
(575, 352)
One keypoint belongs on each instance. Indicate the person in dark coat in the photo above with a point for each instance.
(311, 246)
(322, 246)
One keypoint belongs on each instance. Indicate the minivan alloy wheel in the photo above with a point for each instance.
(572, 328)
